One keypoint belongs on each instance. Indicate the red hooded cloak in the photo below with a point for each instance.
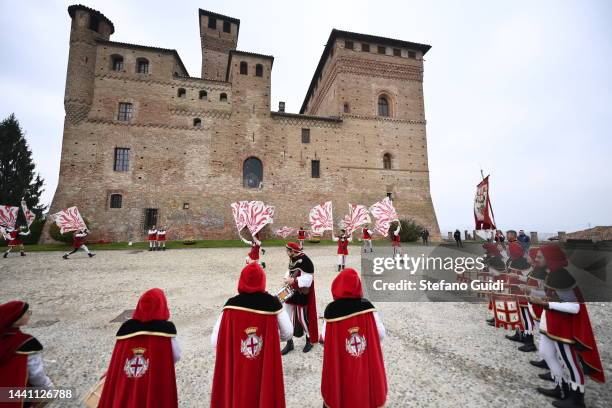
(15, 346)
(141, 371)
(248, 366)
(353, 367)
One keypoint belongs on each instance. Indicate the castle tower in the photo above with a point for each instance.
(88, 25)
(219, 36)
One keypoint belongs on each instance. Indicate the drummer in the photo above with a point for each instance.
(302, 305)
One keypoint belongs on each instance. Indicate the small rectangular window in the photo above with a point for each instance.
(382, 50)
(348, 45)
(150, 218)
(412, 54)
(116, 200)
(397, 52)
(305, 135)
(212, 22)
(365, 47)
(315, 170)
(125, 112)
(227, 27)
(122, 159)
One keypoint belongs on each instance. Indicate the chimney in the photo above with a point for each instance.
(281, 107)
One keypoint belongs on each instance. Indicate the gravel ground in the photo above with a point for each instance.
(436, 354)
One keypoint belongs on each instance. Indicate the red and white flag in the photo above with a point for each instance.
(321, 218)
(253, 215)
(507, 314)
(483, 212)
(69, 220)
(285, 232)
(29, 215)
(8, 215)
(384, 213)
(358, 215)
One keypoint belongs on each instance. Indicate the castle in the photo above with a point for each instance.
(146, 144)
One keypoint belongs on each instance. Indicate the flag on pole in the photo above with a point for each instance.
(321, 218)
(483, 213)
(8, 215)
(384, 213)
(358, 215)
(254, 215)
(285, 232)
(29, 215)
(69, 220)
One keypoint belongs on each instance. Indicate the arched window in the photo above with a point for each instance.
(142, 66)
(383, 106)
(259, 70)
(203, 95)
(181, 93)
(116, 200)
(223, 97)
(346, 108)
(252, 173)
(197, 122)
(244, 68)
(387, 161)
(117, 62)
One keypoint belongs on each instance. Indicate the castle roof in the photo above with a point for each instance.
(146, 48)
(236, 21)
(335, 34)
(72, 9)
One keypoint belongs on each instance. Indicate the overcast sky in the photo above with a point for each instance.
(521, 88)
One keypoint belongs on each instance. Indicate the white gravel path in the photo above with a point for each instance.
(436, 354)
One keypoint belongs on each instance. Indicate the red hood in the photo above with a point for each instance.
(554, 256)
(252, 279)
(347, 285)
(152, 305)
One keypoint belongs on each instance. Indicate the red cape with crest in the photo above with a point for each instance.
(14, 349)
(141, 371)
(569, 328)
(248, 366)
(353, 367)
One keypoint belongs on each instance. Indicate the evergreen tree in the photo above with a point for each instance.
(17, 176)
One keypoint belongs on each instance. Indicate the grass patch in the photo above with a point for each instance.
(197, 244)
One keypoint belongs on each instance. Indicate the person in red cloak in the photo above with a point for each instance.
(141, 370)
(535, 284)
(248, 366)
(301, 307)
(301, 236)
(518, 272)
(253, 255)
(14, 240)
(353, 366)
(21, 363)
(396, 239)
(495, 266)
(568, 344)
(343, 242)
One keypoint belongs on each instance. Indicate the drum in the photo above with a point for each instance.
(285, 293)
(92, 398)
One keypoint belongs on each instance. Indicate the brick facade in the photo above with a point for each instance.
(176, 162)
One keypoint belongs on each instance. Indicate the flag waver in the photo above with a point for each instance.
(321, 218)
(29, 215)
(384, 213)
(8, 215)
(358, 215)
(69, 220)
